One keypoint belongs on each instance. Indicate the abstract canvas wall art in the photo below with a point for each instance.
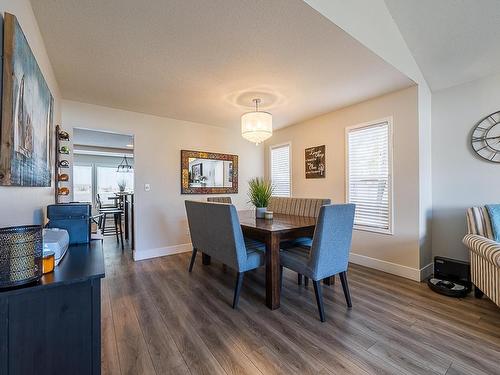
(27, 111)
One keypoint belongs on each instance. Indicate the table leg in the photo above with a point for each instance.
(205, 259)
(125, 207)
(132, 220)
(273, 271)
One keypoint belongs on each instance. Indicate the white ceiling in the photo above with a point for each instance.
(204, 61)
(453, 41)
(86, 137)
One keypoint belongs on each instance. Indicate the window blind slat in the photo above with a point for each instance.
(368, 175)
(280, 170)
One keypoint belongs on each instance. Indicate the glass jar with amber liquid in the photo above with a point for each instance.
(48, 261)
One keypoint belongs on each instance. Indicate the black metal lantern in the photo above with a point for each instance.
(21, 255)
(124, 166)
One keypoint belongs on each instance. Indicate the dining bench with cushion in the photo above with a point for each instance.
(216, 231)
(297, 206)
(308, 207)
(219, 200)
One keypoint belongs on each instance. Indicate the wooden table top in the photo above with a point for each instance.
(280, 222)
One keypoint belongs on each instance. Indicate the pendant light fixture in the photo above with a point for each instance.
(256, 126)
(124, 166)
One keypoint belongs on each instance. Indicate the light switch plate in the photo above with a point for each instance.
(147, 187)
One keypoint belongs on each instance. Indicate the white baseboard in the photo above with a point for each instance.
(392, 268)
(426, 271)
(162, 251)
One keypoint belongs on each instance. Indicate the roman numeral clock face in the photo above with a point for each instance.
(486, 138)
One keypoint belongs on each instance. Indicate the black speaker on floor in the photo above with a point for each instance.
(451, 277)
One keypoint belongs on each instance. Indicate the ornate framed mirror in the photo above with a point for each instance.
(208, 173)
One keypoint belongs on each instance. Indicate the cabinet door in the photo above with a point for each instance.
(50, 331)
(4, 339)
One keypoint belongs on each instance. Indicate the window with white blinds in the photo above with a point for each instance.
(280, 170)
(369, 181)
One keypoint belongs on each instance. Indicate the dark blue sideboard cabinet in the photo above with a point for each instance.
(54, 327)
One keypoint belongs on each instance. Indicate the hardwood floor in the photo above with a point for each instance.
(159, 319)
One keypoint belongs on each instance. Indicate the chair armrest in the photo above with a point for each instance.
(486, 248)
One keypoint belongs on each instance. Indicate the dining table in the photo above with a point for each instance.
(272, 232)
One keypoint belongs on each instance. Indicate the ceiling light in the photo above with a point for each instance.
(256, 126)
(129, 145)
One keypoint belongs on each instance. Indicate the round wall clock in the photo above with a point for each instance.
(485, 138)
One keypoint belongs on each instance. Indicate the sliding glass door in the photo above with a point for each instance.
(82, 183)
(92, 179)
(109, 180)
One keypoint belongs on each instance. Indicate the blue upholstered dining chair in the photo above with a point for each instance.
(329, 253)
(215, 230)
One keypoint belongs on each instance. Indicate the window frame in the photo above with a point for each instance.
(98, 165)
(92, 182)
(278, 145)
(390, 154)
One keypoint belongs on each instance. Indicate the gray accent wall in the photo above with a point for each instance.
(460, 178)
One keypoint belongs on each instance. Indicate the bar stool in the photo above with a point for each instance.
(101, 206)
(116, 229)
(105, 212)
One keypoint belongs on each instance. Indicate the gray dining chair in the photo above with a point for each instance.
(329, 253)
(215, 230)
(219, 200)
(308, 207)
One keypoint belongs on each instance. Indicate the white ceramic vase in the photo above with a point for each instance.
(259, 212)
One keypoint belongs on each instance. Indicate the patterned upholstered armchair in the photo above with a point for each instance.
(484, 254)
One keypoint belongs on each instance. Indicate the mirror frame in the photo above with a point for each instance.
(187, 154)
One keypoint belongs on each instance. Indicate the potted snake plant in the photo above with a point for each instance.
(260, 192)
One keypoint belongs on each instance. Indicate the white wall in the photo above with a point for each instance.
(460, 178)
(371, 23)
(24, 205)
(375, 28)
(398, 253)
(160, 220)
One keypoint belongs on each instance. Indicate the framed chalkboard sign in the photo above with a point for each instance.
(315, 162)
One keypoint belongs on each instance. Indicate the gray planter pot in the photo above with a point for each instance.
(259, 212)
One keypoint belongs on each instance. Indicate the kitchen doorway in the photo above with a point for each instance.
(103, 175)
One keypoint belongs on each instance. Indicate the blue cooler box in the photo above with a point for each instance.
(74, 217)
